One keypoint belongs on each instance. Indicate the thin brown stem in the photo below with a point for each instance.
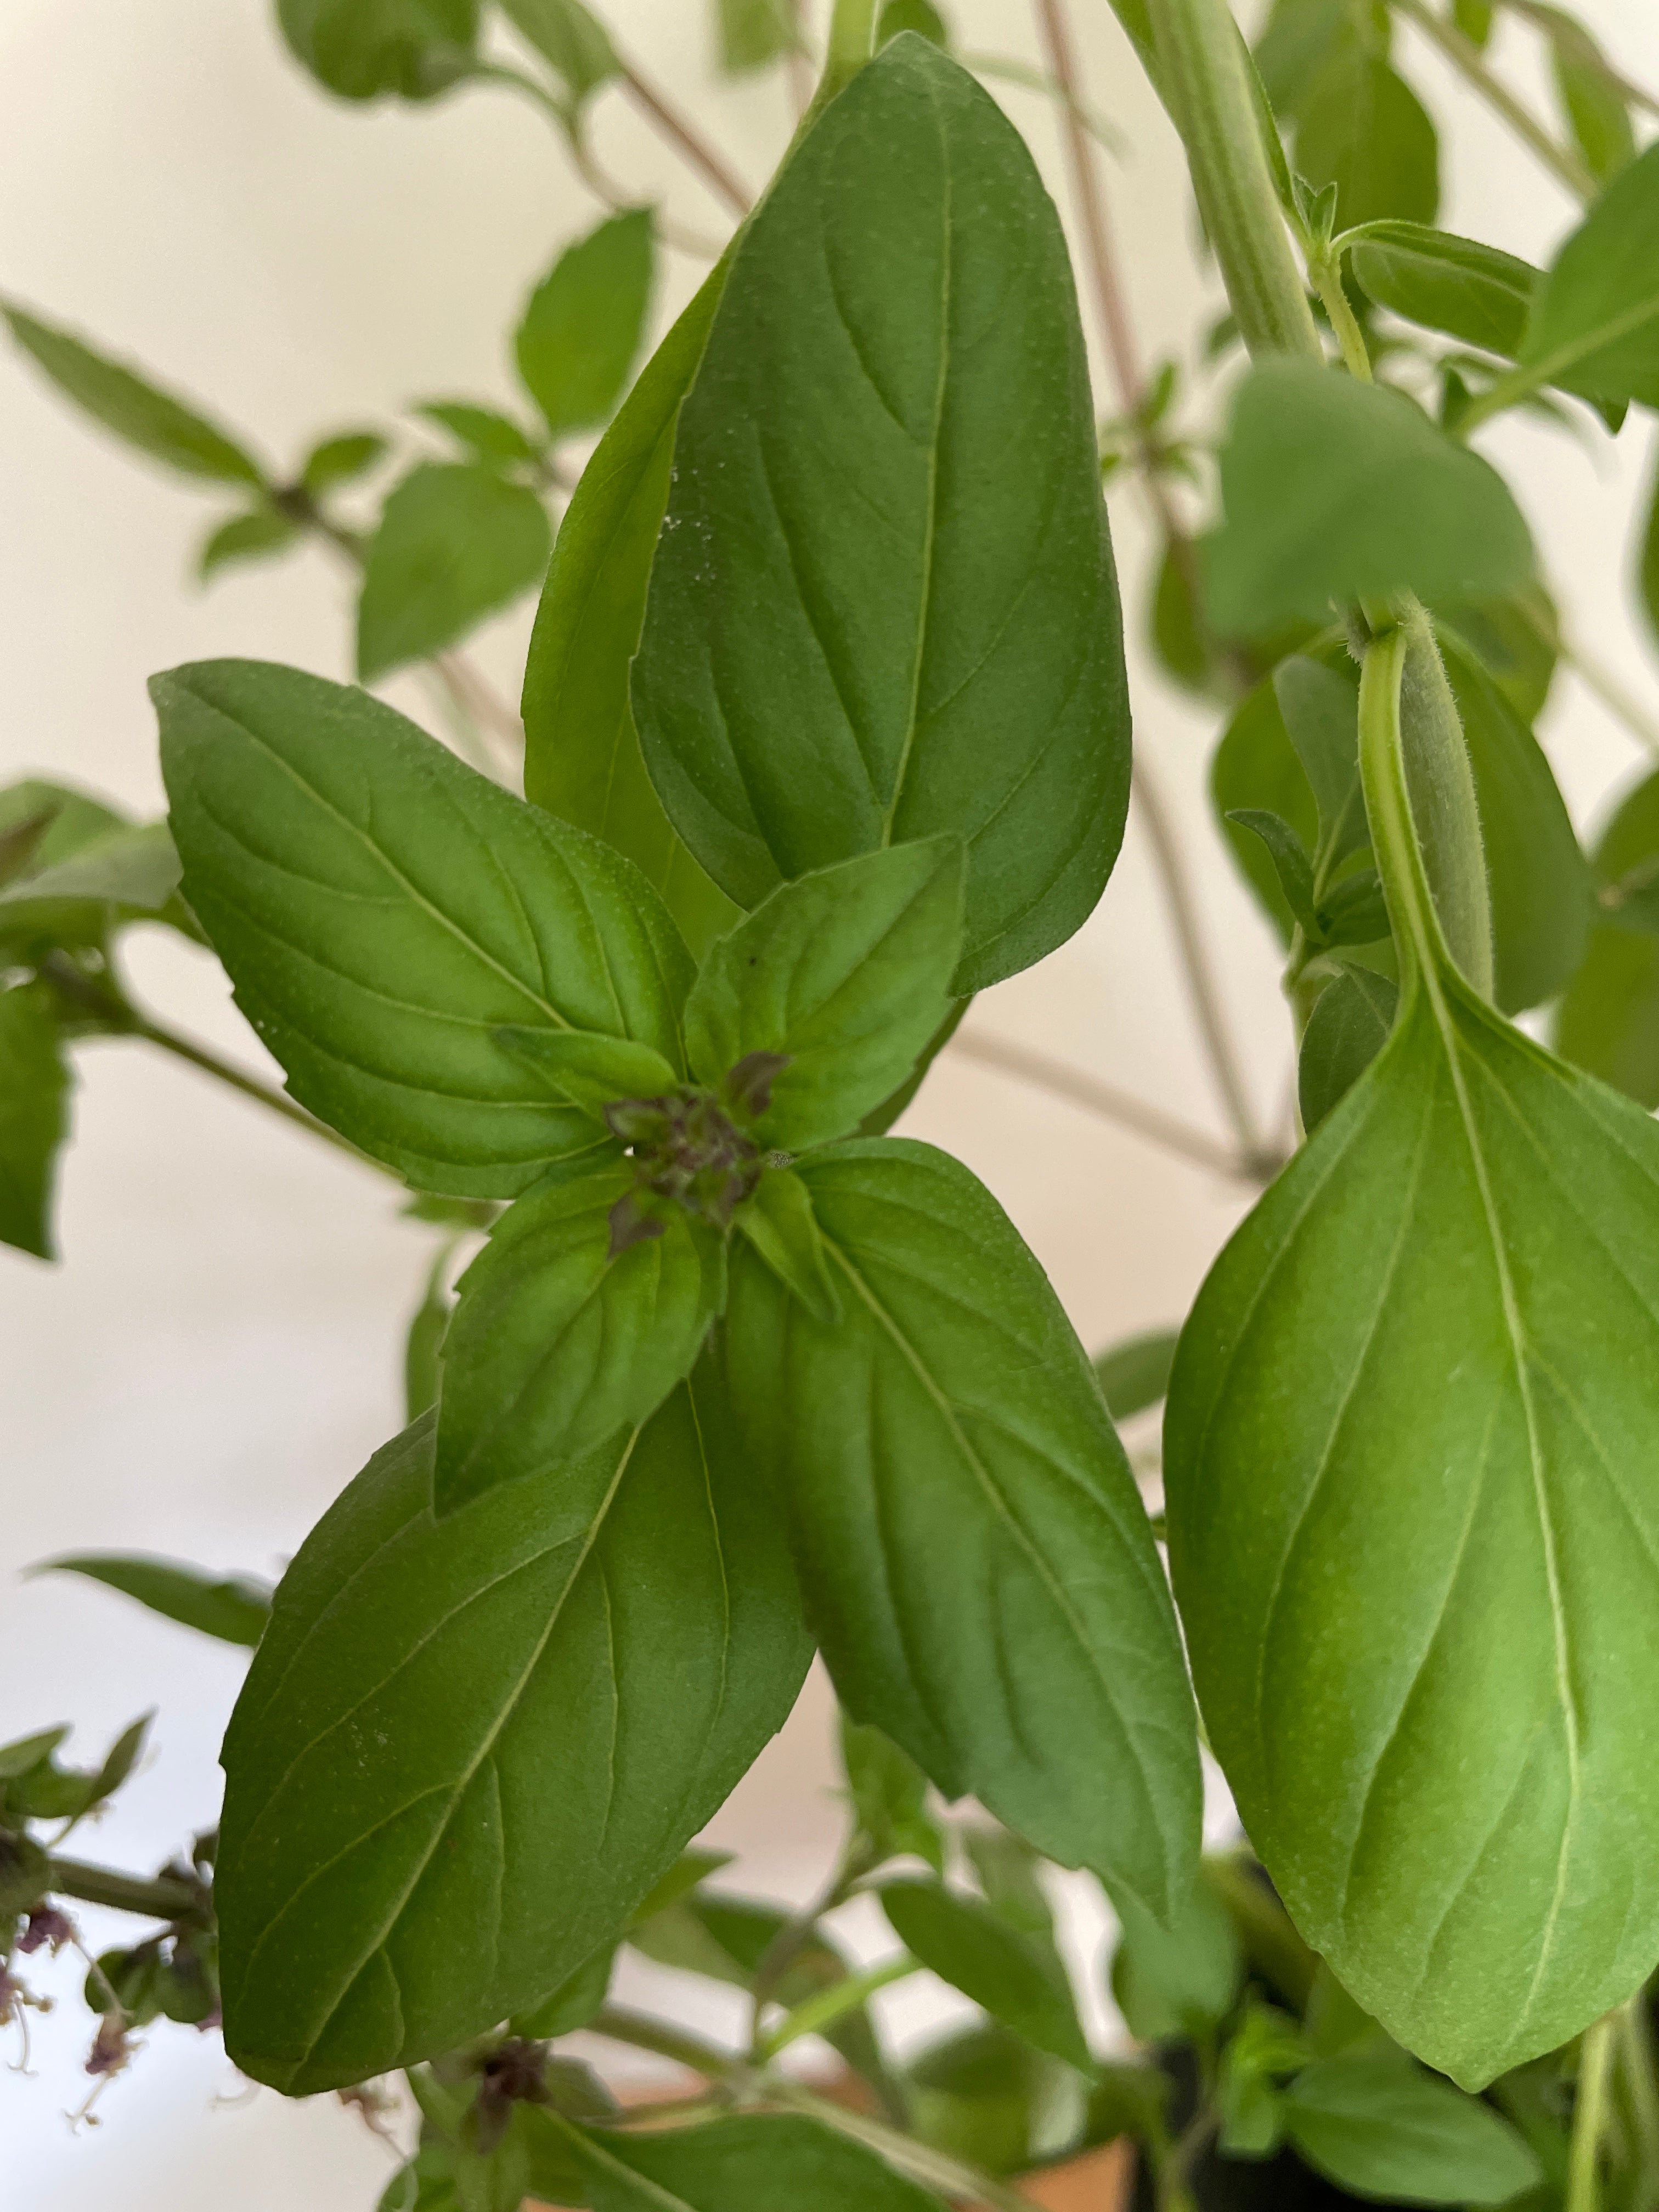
(689, 140)
(1111, 1104)
(1467, 60)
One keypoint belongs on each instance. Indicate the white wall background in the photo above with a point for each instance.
(219, 1352)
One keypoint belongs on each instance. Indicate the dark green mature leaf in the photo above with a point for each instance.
(582, 759)
(582, 325)
(846, 975)
(1363, 129)
(1177, 1981)
(234, 1608)
(973, 1948)
(1417, 1395)
(889, 1794)
(1135, 1374)
(753, 34)
(1517, 640)
(1595, 322)
(1381, 2127)
(555, 1345)
(977, 1562)
(1470, 292)
(385, 912)
(258, 535)
(484, 433)
(35, 1081)
(570, 36)
(884, 605)
(1335, 490)
(748, 2164)
(1346, 1029)
(465, 1753)
(362, 48)
(456, 541)
(126, 402)
(1609, 1019)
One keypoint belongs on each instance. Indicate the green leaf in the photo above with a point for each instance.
(984, 2094)
(574, 2003)
(1321, 710)
(432, 1817)
(128, 873)
(884, 605)
(747, 2164)
(1255, 766)
(917, 15)
(455, 543)
(59, 821)
(555, 1345)
(583, 323)
(1595, 322)
(571, 37)
(1008, 1870)
(582, 759)
(1647, 574)
(46, 1791)
(1416, 1396)
(889, 1792)
(1135, 1374)
(1609, 1019)
(779, 1221)
(1182, 1980)
(1363, 129)
(485, 433)
(424, 1343)
(1474, 18)
(34, 1082)
(234, 1608)
(1596, 114)
(753, 34)
(1517, 640)
(1346, 1029)
(977, 1559)
(360, 49)
(254, 536)
(28, 1751)
(590, 1071)
(339, 459)
(1290, 858)
(383, 912)
(1382, 2128)
(130, 406)
(967, 1944)
(1129, 2099)
(1336, 490)
(1470, 292)
(846, 975)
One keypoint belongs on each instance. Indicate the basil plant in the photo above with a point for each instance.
(825, 730)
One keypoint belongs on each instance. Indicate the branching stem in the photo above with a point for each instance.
(1467, 58)
(154, 1896)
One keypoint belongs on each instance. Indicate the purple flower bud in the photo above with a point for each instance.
(111, 2048)
(47, 1925)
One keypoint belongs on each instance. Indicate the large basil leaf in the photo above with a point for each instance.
(582, 757)
(1416, 1397)
(234, 1608)
(582, 326)
(555, 1345)
(456, 541)
(749, 2164)
(383, 912)
(465, 1753)
(128, 404)
(35, 1081)
(362, 48)
(1336, 490)
(1470, 292)
(1382, 2127)
(1609, 1019)
(844, 974)
(883, 605)
(1017, 1981)
(976, 1561)
(1595, 321)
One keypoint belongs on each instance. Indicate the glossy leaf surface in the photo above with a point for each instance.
(234, 1608)
(384, 911)
(582, 326)
(747, 2164)
(1470, 292)
(884, 605)
(967, 1944)
(456, 542)
(977, 1562)
(464, 1754)
(1380, 2128)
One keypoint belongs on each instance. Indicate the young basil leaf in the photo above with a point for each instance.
(1183, 1980)
(1381, 2127)
(977, 1561)
(889, 1792)
(1014, 1979)
(423, 1345)
(846, 975)
(569, 35)
(1609, 1019)
(582, 325)
(592, 1072)
(810, 687)
(1320, 705)
(556, 1344)
(455, 543)
(127, 404)
(753, 2163)
(1363, 129)
(484, 433)
(1336, 490)
(383, 912)
(779, 1223)
(917, 15)
(1470, 292)
(129, 874)
(1595, 113)
(1290, 858)
(255, 535)
(582, 759)
(1346, 1029)
(1255, 766)
(431, 1819)
(1436, 1416)
(1135, 1374)
(234, 1608)
(413, 48)
(1595, 322)
(753, 34)
(34, 1082)
(337, 460)
(46, 1791)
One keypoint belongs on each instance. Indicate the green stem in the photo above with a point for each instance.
(1328, 282)
(1589, 2114)
(156, 1897)
(1206, 75)
(1175, 2169)
(953, 2177)
(1636, 2057)
(1467, 60)
(620, 2024)
(792, 1939)
(828, 2006)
